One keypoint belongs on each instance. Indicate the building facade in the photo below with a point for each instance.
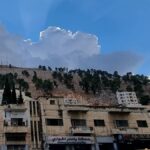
(15, 131)
(54, 123)
(128, 99)
(70, 124)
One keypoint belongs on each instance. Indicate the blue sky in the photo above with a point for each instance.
(121, 26)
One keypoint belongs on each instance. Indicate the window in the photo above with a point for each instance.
(15, 137)
(32, 135)
(121, 123)
(30, 103)
(99, 123)
(38, 108)
(142, 123)
(15, 147)
(78, 122)
(35, 133)
(40, 130)
(34, 108)
(17, 122)
(52, 102)
(54, 122)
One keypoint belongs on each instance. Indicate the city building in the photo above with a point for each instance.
(15, 126)
(71, 124)
(35, 125)
(128, 99)
(54, 123)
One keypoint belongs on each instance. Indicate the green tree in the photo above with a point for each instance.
(145, 99)
(49, 68)
(24, 85)
(115, 84)
(138, 88)
(28, 94)
(38, 83)
(95, 83)
(68, 80)
(20, 98)
(34, 78)
(2, 81)
(13, 95)
(59, 77)
(47, 86)
(25, 73)
(44, 68)
(6, 99)
(129, 88)
(116, 74)
(55, 83)
(85, 82)
(54, 74)
(15, 75)
(40, 67)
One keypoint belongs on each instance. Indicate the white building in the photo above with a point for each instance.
(128, 99)
(15, 125)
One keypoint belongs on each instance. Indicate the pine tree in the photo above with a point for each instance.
(20, 99)
(13, 95)
(7, 93)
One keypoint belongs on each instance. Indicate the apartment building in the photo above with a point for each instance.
(128, 99)
(54, 123)
(14, 126)
(35, 125)
(71, 124)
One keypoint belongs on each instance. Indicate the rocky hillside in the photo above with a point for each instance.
(95, 86)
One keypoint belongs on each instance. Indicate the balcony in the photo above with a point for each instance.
(15, 129)
(15, 138)
(16, 108)
(16, 142)
(81, 130)
(71, 109)
(124, 130)
(119, 110)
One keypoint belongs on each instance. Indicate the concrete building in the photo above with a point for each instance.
(36, 125)
(128, 99)
(15, 126)
(70, 124)
(54, 123)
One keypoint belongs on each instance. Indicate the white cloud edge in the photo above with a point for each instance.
(71, 49)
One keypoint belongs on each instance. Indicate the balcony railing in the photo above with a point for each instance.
(119, 110)
(81, 130)
(15, 128)
(16, 107)
(77, 109)
(124, 130)
(16, 142)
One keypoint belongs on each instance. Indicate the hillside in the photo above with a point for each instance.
(95, 86)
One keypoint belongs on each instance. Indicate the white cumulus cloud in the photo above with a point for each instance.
(59, 47)
(57, 41)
